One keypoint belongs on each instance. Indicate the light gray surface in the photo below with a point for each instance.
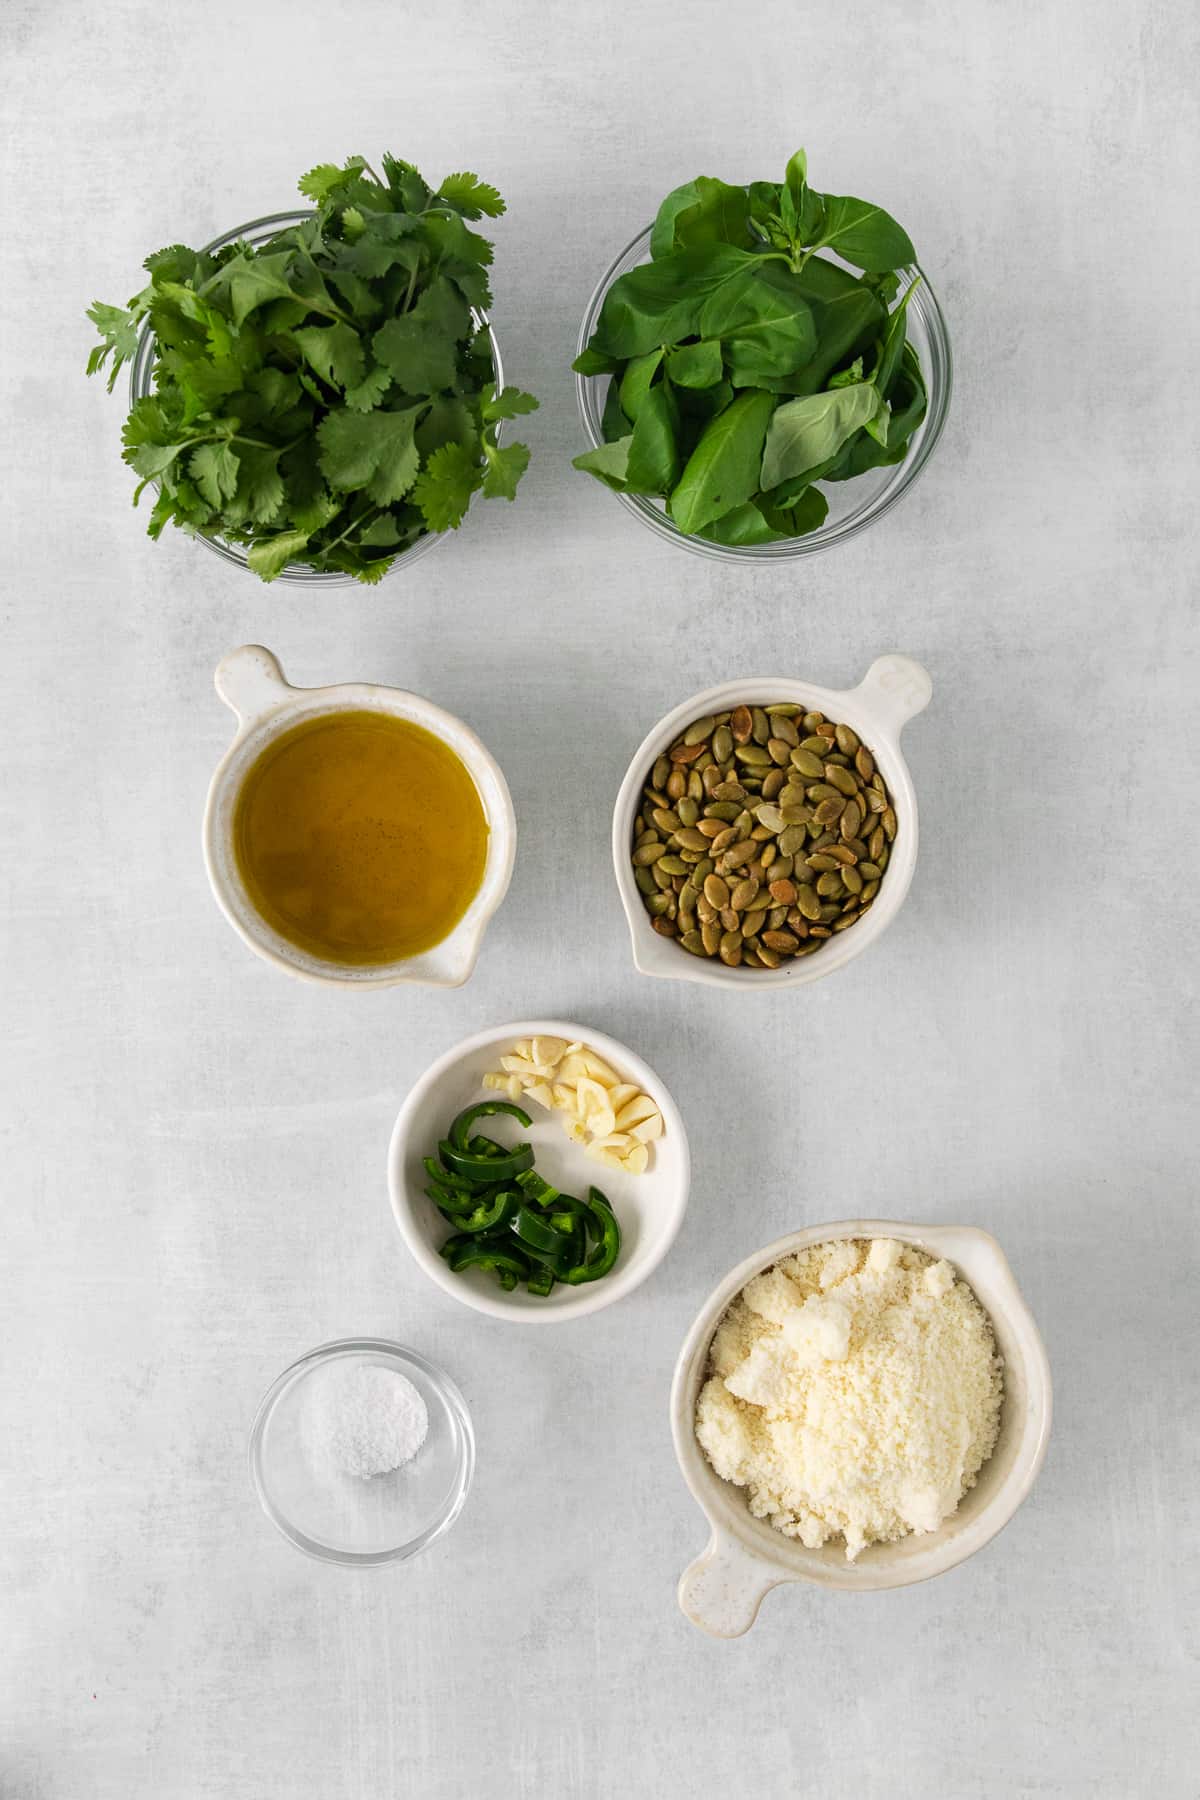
(195, 1145)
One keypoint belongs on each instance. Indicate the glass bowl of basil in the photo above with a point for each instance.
(764, 371)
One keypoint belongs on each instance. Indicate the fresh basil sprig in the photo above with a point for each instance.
(746, 366)
(329, 398)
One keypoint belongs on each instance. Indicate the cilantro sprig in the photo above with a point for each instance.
(329, 398)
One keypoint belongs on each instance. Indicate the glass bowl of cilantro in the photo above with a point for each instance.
(764, 371)
(317, 396)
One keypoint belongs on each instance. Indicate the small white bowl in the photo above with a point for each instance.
(746, 1557)
(893, 690)
(650, 1207)
(251, 682)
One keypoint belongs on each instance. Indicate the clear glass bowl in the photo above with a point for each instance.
(853, 505)
(341, 1518)
(257, 233)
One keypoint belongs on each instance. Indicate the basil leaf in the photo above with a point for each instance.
(635, 382)
(688, 294)
(864, 235)
(722, 470)
(608, 462)
(653, 466)
(695, 365)
(808, 209)
(699, 213)
(744, 524)
(806, 431)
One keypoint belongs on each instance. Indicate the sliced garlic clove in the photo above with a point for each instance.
(635, 1112)
(649, 1129)
(636, 1160)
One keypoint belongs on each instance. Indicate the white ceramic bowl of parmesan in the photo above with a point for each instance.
(746, 1557)
(649, 1206)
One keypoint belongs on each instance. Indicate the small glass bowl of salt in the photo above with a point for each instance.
(362, 1452)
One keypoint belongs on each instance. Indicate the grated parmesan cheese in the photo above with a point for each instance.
(854, 1391)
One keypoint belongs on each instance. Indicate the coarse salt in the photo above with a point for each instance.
(366, 1419)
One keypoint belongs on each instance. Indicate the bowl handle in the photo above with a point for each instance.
(895, 689)
(251, 682)
(723, 1589)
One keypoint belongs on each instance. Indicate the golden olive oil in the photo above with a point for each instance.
(360, 837)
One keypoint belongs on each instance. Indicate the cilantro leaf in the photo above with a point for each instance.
(370, 390)
(443, 490)
(271, 554)
(504, 470)
(373, 450)
(260, 491)
(509, 403)
(420, 355)
(252, 281)
(214, 469)
(326, 178)
(334, 351)
(471, 197)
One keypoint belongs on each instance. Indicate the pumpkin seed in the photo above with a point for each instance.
(808, 764)
(722, 743)
(840, 778)
(746, 845)
(807, 901)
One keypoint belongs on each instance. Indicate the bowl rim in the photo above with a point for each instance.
(293, 574)
(448, 1392)
(723, 1505)
(267, 719)
(591, 1298)
(937, 411)
(878, 713)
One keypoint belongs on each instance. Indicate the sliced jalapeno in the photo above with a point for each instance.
(460, 1131)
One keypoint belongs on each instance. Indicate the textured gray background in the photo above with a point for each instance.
(195, 1146)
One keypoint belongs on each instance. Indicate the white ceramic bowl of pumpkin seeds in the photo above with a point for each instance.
(806, 780)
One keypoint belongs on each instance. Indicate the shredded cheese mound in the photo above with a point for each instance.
(854, 1391)
(613, 1119)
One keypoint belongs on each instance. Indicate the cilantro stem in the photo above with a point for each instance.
(362, 519)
